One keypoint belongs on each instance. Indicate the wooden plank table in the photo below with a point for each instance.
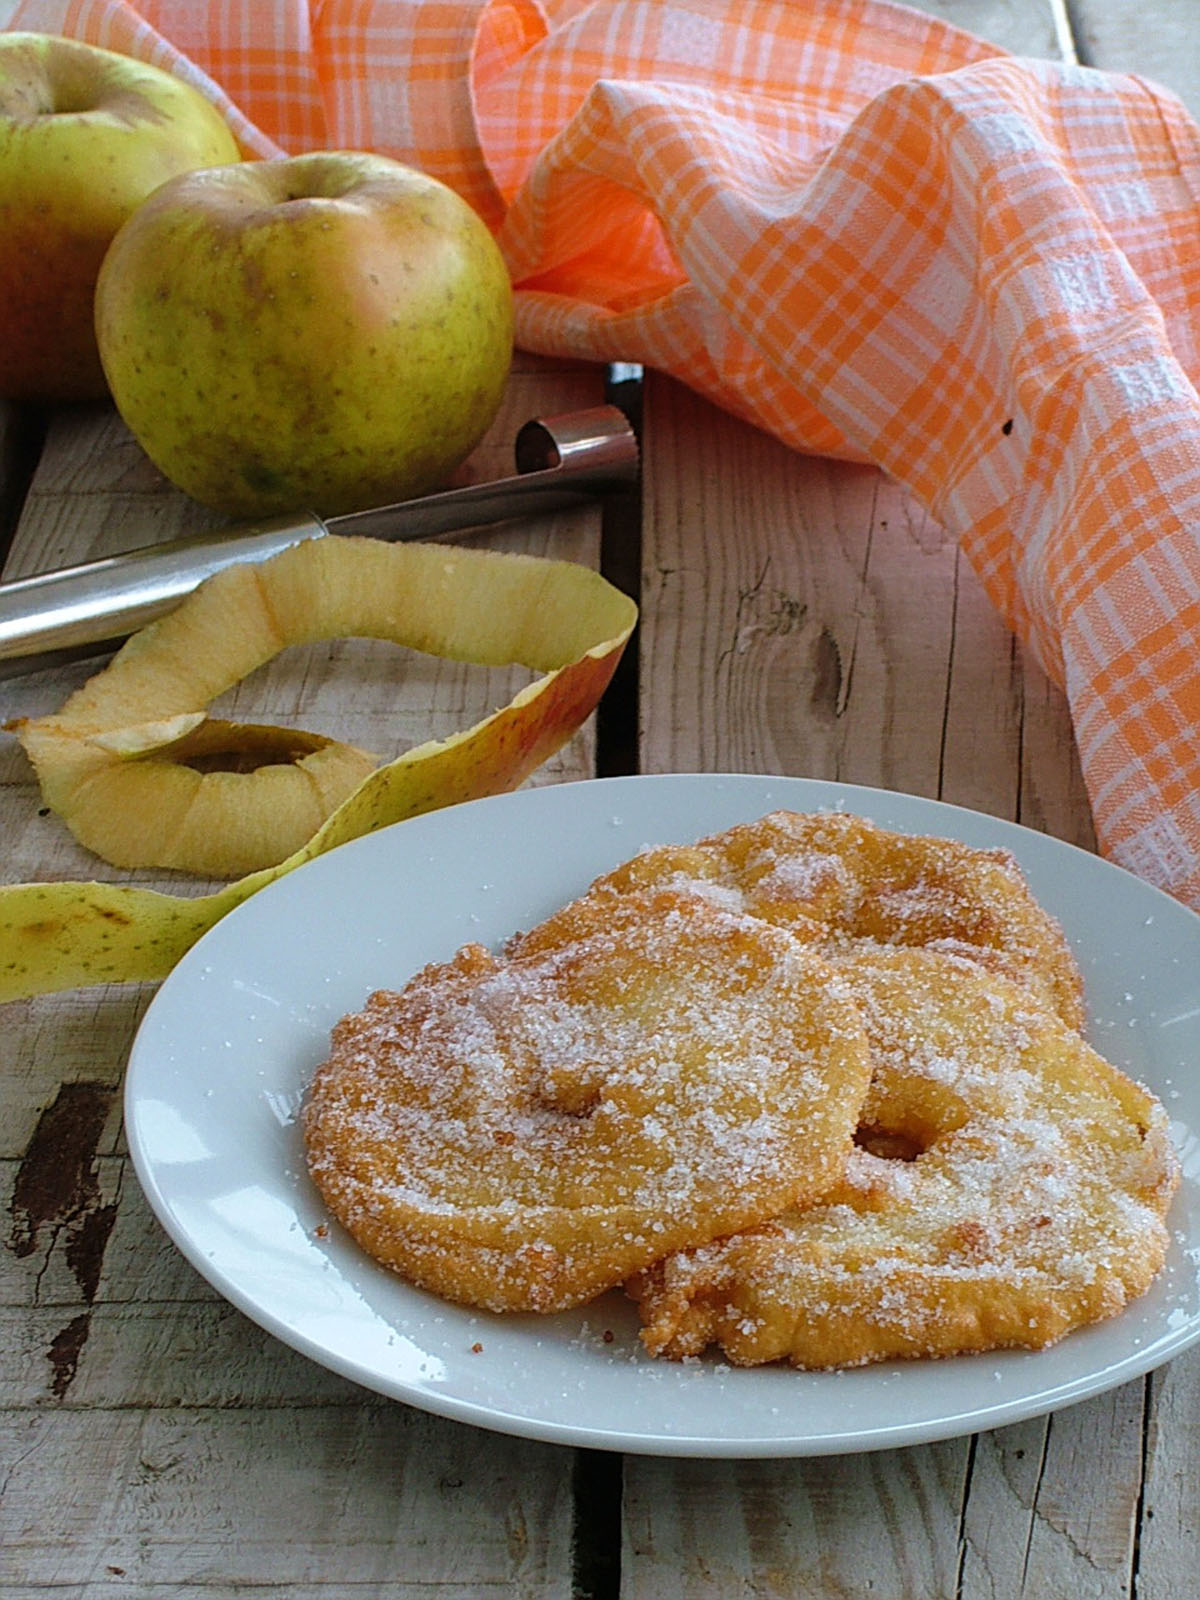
(798, 617)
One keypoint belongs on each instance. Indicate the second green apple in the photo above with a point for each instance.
(324, 332)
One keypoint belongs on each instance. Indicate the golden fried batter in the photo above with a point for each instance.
(836, 879)
(527, 1131)
(1007, 1186)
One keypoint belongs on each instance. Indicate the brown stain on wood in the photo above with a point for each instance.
(828, 679)
(58, 1189)
(65, 1350)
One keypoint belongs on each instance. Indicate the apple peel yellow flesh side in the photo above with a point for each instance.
(555, 617)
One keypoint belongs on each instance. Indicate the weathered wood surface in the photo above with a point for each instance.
(801, 616)
(798, 616)
(151, 1437)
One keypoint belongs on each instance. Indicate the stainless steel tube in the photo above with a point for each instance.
(561, 461)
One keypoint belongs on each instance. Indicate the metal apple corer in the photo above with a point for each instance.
(561, 461)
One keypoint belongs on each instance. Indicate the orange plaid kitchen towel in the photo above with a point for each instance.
(860, 228)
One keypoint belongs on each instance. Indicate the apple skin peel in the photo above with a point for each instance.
(116, 761)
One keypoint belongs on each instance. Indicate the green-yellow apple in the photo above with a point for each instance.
(326, 331)
(85, 136)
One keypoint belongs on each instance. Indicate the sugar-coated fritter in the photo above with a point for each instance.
(1007, 1186)
(837, 879)
(523, 1132)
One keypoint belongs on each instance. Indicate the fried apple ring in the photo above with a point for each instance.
(837, 879)
(1008, 1185)
(523, 1133)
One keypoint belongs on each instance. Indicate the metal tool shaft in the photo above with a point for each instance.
(561, 461)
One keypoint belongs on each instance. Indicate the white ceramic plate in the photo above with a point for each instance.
(220, 1065)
